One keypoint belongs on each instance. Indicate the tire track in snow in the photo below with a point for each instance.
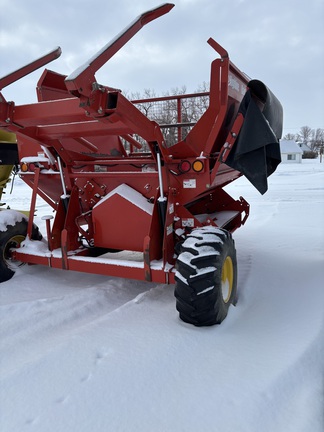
(45, 322)
(244, 265)
(294, 400)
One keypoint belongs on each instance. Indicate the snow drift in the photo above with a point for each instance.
(88, 353)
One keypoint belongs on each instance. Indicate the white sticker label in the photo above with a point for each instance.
(189, 222)
(169, 229)
(171, 209)
(189, 184)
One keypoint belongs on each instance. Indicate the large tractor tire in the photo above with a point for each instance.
(13, 231)
(206, 276)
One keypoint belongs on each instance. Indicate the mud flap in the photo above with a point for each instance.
(256, 152)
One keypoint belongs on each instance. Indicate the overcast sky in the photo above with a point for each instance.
(280, 42)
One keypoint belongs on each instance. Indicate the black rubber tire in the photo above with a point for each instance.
(207, 258)
(10, 237)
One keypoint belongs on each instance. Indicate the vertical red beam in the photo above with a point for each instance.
(33, 204)
(179, 118)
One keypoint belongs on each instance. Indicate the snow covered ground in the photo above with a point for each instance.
(88, 353)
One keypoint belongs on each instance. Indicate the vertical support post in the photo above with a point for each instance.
(162, 200)
(159, 167)
(47, 219)
(65, 198)
(64, 240)
(61, 174)
(33, 204)
(147, 261)
(179, 118)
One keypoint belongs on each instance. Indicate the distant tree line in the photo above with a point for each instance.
(176, 113)
(314, 138)
(167, 113)
(191, 108)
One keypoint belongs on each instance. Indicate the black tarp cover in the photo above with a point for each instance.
(256, 152)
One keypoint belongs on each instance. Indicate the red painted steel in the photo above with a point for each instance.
(31, 67)
(96, 160)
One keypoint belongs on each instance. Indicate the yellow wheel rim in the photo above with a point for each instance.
(227, 279)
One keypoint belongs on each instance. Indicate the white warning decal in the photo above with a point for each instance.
(188, 222)
(189, 184)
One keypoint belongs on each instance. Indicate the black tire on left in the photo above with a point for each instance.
(11, 235)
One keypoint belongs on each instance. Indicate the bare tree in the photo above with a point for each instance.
(317, 141)
(313, 137)
(165, 111)
(305, 134)
(290, 136)
(175, 111)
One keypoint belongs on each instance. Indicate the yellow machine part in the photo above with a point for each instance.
(5, 170)
(7, 137)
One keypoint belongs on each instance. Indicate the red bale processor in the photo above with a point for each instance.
(136, 192)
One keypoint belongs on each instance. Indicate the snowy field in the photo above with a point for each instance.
(87, 353)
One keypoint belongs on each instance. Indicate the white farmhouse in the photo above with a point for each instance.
(290, 151)
(304, 147)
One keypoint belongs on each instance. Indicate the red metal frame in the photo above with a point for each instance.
(107, 197)
(31, 67)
